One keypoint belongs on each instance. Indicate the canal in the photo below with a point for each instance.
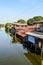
(11, 53)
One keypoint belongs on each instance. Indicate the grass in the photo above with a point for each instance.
(34, 58)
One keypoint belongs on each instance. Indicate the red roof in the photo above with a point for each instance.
(21, 34)
(27, 29)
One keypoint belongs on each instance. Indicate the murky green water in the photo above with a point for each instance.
(11, 54)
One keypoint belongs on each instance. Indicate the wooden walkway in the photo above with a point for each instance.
(35, 34)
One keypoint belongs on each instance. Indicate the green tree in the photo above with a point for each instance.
(1, 25)
(8, 24)
(30, 21)
(21, 21)
(38, 18)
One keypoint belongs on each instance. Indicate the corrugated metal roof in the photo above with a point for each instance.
(19, 23)
(35, 22)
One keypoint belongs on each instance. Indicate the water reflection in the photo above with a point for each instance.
(6, 30)
(12, 50)
(14, 38)
(42, 56)
(18, 42)
(10, 54)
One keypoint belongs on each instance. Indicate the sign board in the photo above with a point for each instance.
(31, 39)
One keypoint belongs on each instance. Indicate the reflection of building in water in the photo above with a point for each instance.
(42, 47)
(42, 56)
(42, 62)
(42, 51)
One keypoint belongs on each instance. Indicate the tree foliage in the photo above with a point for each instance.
(1, 25)
(38, 18)
(21, 21)
(8, 24)
(30, 21)
(35, 18)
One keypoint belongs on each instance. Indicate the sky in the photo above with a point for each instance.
(13, 10)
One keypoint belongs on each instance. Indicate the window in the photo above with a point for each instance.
(31, 39)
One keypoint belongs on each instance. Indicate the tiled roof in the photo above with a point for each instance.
(21, 34)
(26, 29)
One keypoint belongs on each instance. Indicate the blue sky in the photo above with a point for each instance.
(12, 10)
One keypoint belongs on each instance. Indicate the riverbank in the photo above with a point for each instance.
(34, 58)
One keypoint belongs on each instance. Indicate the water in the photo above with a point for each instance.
(11, 54)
